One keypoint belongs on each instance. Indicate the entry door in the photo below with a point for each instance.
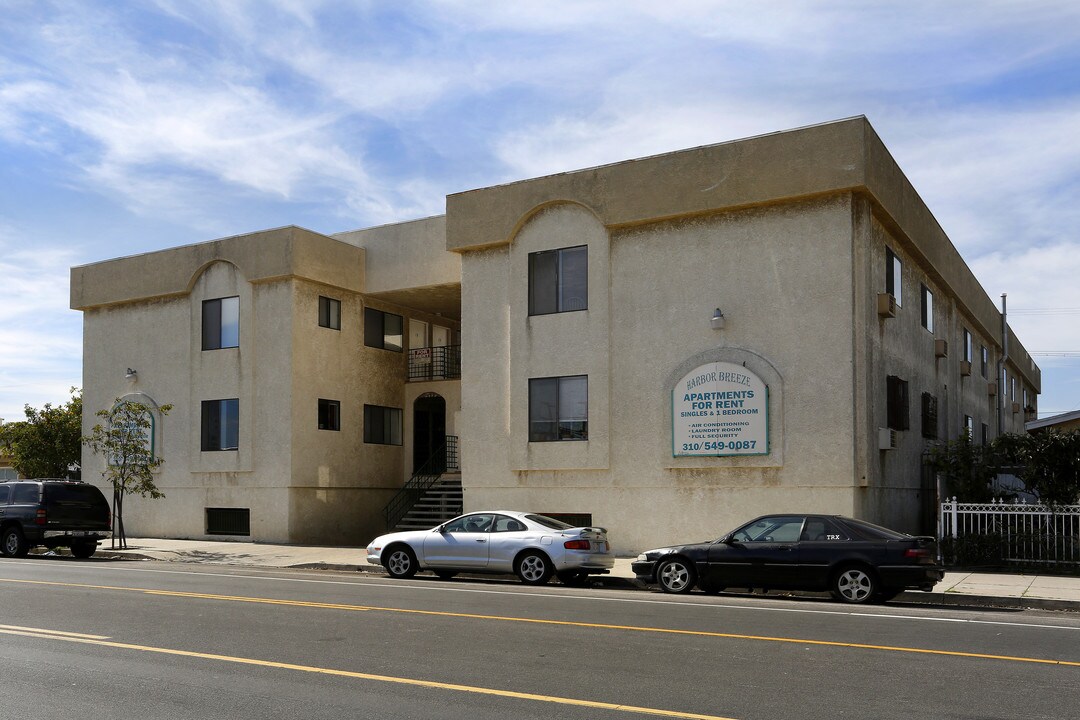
(440, 338)
(417, 334)
(429, 433)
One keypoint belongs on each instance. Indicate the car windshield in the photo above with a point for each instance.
(549, 522)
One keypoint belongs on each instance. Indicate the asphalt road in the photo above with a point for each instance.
(82, 639)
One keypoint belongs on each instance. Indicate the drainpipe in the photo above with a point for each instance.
(1004, 357)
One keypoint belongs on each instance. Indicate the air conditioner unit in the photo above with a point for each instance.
(941, 348)
(1016, 407)
(965, 367)
(886, 305)
(887, 439)
(991, 389)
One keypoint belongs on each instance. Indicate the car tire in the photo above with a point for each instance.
(445, 574)
(854, 584)
(83, 550)
(533, 568)
(676, 576)
(400, 562)
(13, 544)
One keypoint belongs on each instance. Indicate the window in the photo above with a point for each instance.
(985, 434)
(967, 346)
(382, 330)
(559, 408)
(559, 280)
(1012, 388)
(329, 414)
(896, 403)
(929, 416)
(329, 313)
(771, 529)
(893, 276)
(220, 424)
(969, 428)
(221, 323)
(985, 360)
(927, 309)
(382, 425)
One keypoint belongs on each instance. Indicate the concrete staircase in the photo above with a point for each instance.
(439, 503)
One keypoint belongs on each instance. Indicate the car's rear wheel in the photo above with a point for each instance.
(533, 568)
(83, 550)
(400, 562)
(445, 574)
(676, 576)
(13, 544)
(854, 584)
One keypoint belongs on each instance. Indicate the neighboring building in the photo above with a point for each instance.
(663, 346)
(7, 472)
(1065, 422)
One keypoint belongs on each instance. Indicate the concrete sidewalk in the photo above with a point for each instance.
(960, 587)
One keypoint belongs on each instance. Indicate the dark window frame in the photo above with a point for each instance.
(381, 423)
(329, 313)
(547, 410)
(213, 325)
(376, 329)
(329, 414)
(927, 307)
(553, 276)
(894, 276)
(929, 416)
(216, 414)
(896, 403)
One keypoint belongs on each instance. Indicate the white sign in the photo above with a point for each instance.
(720, 409)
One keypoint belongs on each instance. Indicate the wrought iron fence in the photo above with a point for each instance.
(435, 363)
(442, 460)
(1010, 533)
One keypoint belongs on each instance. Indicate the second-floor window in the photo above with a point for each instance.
(967, 346)
(220, 424)
(985, 361)
(559, 280)
(329, 313)
(559, 408)
(893, 276)
(927, 309)
(382, 330)
(221, 323)
(329, 414)
(896, 403)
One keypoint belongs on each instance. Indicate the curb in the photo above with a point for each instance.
(930, 599)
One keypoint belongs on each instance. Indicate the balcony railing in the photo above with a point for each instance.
(435, 363)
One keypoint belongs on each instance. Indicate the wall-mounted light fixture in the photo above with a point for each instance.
(130, 374)
(717, 320)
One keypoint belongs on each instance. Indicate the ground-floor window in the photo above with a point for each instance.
(382, 425)
(220, 424)
(228, 521)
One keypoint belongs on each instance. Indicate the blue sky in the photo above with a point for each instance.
(128, 127)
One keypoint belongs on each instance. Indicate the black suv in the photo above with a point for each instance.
(53, 513)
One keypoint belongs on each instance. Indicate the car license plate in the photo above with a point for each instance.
(79, 533)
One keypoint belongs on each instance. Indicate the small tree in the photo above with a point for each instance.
(46, 444)
(968, 469)
(124, 439)
(1048, 463)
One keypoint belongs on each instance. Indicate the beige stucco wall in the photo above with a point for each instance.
(782, 277)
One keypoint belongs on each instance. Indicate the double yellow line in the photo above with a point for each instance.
(104, 641)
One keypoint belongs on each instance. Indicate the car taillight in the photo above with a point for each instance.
(916, 554)
(41, 518)
(576, 544)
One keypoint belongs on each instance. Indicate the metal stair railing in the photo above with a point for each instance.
(422, 479)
